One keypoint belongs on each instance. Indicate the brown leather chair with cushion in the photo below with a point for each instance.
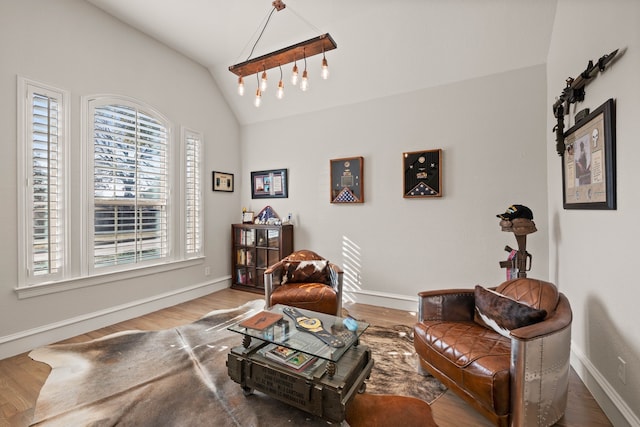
(305, 280)
(505, 351)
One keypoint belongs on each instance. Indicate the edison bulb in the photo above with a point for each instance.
(258, 99)
(280, 92)
(325, 69)
(240, 86)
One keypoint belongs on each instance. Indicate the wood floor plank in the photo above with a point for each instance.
(21, 378)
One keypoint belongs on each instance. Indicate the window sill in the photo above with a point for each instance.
(84, 282)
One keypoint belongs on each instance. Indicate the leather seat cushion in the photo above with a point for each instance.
(311, 296)
(474, 357)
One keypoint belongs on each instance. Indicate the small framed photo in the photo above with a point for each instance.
(347, 184)
(222, 181)
(589, 161)
(247, 217)
(422, 174)
(269, 184)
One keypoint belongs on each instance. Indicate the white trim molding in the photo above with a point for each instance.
(382, 299)
(11, 345)
(616, 409)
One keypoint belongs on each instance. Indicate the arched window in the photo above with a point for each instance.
(130, 147)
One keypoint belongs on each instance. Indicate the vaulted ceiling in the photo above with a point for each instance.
(384, 47)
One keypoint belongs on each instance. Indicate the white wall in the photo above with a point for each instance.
(492, 131)
(72, 45)
(592, 253)
(495, 133)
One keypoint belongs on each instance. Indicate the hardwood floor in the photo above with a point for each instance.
(21, 378)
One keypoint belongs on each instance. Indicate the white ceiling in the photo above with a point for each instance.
(384, 47)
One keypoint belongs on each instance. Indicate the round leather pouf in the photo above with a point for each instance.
(381, 410)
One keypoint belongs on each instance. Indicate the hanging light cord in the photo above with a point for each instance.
(267, 23)
(261, 33)
(304, 20)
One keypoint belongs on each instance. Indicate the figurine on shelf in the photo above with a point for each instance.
(288, 219)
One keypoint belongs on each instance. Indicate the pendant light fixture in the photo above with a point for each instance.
(280, 93)
(315, 46)
(258, 99)
(304, 84)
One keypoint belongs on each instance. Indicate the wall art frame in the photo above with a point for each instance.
(422, 174)
(269, 184)
(589, 161)
(222, 181)
(347, 180)
(248, 217)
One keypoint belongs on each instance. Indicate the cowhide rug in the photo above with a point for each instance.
(178, 377)
(395, 368)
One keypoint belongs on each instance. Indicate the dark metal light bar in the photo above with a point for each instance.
(296, 52)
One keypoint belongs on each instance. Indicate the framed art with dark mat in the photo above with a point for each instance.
(222, 181)
(346, 180)
(269, 184)
(422, 174)
(589, 161)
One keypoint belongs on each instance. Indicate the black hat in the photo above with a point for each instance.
(516, 211)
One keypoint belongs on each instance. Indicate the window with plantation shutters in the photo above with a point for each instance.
(42, 127)
(130, 185)
(139, 209)
(192, 150)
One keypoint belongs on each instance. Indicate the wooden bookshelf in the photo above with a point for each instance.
(254, 248)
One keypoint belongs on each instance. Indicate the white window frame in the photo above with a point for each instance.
(78, 272)
(192, 223)
(88, 105)
(26, 90)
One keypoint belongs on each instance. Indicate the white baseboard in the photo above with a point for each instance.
(615, 408)
(20, 342)
(382, 299)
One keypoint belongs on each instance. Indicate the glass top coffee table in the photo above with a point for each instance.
(306, 359)
(317, 334)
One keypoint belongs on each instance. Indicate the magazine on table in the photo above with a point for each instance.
(293, 359)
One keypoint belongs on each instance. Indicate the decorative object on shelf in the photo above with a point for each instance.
(422, 174)
(247, 217)
(222, 181)
(589, 161)
(347, 184)
(288, 219)
(269, 184)
(573, 93)
(268, 216)
(294, 53)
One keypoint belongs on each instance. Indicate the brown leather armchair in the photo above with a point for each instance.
(305, 280)
(518, 377)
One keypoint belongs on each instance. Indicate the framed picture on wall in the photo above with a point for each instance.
(269, 184)
(222, 181)
(347, 184)
(589, 161)
(422, 174)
